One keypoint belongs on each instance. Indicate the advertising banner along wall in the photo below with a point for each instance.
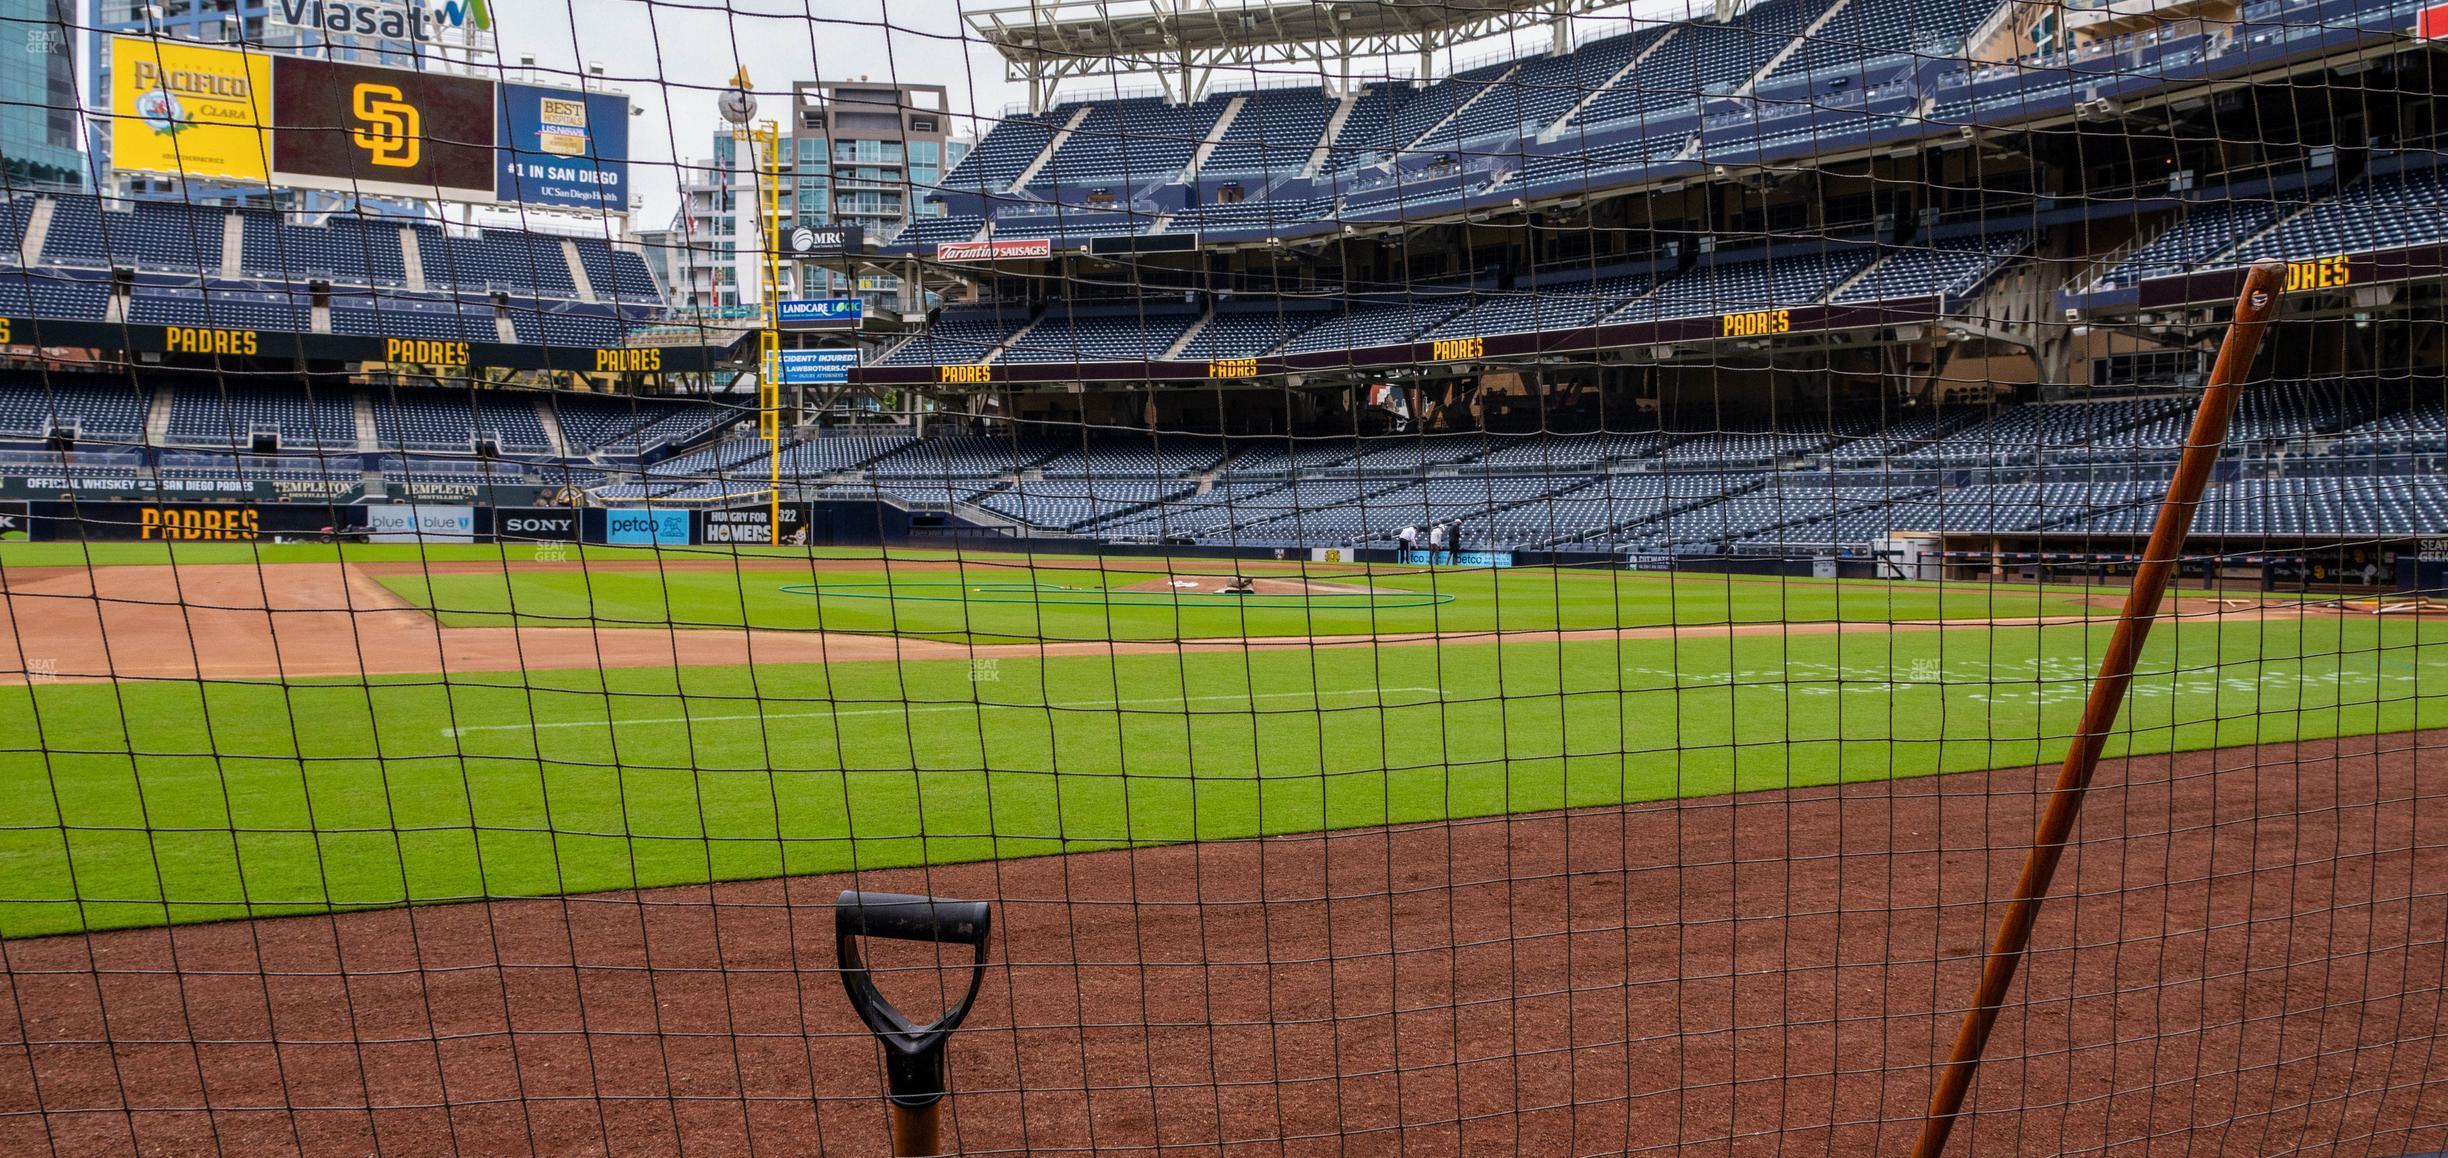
(420, 523)
(184, 108)
(752, 525)
(382, 130)
(177, 522)
(641, 527)
(536, 524)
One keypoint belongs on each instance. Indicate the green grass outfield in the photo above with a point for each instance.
(1008, 601)
(136, 803)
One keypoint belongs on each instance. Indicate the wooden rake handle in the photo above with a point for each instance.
(2253, 308)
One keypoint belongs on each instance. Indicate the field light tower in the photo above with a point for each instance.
(764, 141)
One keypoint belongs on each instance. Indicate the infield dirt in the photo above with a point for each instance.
(2244, 956)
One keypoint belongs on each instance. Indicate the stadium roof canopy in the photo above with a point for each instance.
(1183, 42)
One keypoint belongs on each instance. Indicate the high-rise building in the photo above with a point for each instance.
(867, 153)
(38, 102)
(716, 248)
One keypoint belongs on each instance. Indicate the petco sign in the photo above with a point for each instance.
(645, 528)
(994, 250)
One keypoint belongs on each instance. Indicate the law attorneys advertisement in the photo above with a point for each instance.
(184, 108)
(817, 367)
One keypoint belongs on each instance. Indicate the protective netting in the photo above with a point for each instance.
(1464, 578)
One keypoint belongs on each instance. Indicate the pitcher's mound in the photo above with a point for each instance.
(1215, 584)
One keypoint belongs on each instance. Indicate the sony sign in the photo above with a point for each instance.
(409, 20)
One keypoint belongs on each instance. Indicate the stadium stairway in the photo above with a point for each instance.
(1207, 147)
(38, 226)
(1810, 35)
(551, 421)
(233, 245)
(1054, 144)
(157, 418)
(1428, 137)
(1188, 336)
(577, 271)
(1334, 128)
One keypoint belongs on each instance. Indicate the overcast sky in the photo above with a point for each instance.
(674, 56)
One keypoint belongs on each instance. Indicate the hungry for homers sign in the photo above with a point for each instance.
(747, 524)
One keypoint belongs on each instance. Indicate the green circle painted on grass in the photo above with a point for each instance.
(1055, 593)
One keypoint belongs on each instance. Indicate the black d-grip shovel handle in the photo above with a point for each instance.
(914, 1069)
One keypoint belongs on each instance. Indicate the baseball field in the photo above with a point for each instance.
(227, 732)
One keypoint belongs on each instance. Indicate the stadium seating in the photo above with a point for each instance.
(46, 293)
(453, 419)
(232, 309)
(1129, 143)
(1361, 322)
(228, 416)
(1790, 276)
(1003, 151)
(31, 406)
(959, 335)
(2205, 229)
(1550, 304)
(1252, 327)
(1861, 39)
(1948, 268)
(1272, 136)
(2385, 212)
(362, 261)
(1098, 333)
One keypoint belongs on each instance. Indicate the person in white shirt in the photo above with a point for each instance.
(1408, 540)
(1436, 543)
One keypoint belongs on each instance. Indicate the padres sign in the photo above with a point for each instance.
(382, 130)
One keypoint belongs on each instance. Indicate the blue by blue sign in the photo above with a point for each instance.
(639, 527)
(1464, 559)
(564, 149)
(817, 367)
(820, 313)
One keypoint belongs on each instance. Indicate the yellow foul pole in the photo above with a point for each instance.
(764, 141)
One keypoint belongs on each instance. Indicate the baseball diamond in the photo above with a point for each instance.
(1261, 578)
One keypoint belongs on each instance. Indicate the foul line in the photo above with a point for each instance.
(907, 709)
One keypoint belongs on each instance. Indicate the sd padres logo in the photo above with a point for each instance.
(392, 132)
